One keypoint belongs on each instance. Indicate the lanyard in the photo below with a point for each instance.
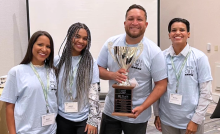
(181, 68)
(72, 74)
(45, 91)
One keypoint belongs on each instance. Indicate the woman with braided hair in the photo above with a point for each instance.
(78, 75)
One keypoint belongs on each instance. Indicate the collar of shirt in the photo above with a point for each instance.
(184, 52)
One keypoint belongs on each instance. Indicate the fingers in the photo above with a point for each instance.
(137, 111)
(191, 128)
(121, 70)
(132, 116)
(119, 75)
(190, 131)
(86, 128)
(91, 129)
(157, 123)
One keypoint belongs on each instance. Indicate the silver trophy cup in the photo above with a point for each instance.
(125, 57)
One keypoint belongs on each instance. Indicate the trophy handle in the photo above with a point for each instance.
(139, 47)
(109, 49)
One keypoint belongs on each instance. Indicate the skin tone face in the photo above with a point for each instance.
(79, 42)
(135, 24)
(178, 35)
(41, 50)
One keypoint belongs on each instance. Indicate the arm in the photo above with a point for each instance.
(156, 104)
(158, 91)
(10, 118)
(108, 75)
(157, 121)
(205, 87)
(94, 111)
(204, 100)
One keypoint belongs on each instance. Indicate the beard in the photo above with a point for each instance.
(136, 35)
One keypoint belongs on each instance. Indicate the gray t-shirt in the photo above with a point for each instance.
(150, 65)
(84, 112)
(195, 71)
(24, 90)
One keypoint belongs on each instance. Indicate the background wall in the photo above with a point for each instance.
(13, 35)
(105, 18)
(203, 16)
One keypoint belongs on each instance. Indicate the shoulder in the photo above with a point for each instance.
(56, 60)
(197, 53)
(95, 64)
(166, 51)
(151, 48)
(116, 37)
(19, 68)
(150, 44)
(94, 61)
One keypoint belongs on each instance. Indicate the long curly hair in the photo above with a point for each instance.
(85, 65)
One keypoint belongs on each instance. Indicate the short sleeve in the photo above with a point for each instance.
(103, 56)
(95, 77)
(204, 70)
(56, 60)
(158, 67)
(10, 91)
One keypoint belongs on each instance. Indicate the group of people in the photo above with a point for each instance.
(47, 95)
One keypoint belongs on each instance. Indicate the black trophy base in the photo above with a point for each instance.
(123, 100)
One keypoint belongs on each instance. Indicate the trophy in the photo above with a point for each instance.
(125, 57)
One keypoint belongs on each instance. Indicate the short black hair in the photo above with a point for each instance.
(186, 22)
(138, 7)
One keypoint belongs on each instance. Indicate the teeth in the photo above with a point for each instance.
(42, 54)
(178, 37)
(79, 46)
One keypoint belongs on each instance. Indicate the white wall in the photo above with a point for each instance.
(105, 18)
(13, 35)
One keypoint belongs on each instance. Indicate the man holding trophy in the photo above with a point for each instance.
(130, 61)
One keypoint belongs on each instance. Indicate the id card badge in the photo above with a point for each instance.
(133, 81)
(71, 107)
(175, 99)
(48, 119)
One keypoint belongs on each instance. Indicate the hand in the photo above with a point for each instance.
(119, 75)
(191, 128)
(91, 129)
(137, 111)
(157, 123)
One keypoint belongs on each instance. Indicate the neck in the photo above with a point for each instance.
(75, 53)
(131, 40)
(37, 63)
(178, 48)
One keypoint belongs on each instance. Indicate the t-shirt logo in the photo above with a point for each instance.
(137, 64)
(53, 85)
(189, 71)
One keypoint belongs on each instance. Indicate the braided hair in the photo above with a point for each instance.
(85, 65)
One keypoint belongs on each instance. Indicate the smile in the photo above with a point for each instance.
(79, 46)
(42, 54)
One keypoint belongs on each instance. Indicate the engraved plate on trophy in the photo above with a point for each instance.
(125, 57)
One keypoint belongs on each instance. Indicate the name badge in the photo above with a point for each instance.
(48, 119)
(133, 81)
(71, 107)
(176, 99)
